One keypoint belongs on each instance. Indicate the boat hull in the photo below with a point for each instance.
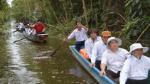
(36, 38)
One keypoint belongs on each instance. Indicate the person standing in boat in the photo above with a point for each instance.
(80, 34)
(89, 43)
(113, 58)
(98, 49)
(39, 26)
(136, 67)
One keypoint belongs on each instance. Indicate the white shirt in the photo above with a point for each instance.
(30, 31)
(89, 44)
(78, 35)
(115, 60)
(97, 51)
(136, 69)
(21, 26)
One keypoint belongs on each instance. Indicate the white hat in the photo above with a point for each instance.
(135, 46)
(114, 38)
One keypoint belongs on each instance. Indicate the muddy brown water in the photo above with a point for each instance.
(22, 68)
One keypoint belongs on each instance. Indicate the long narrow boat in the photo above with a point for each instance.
(36, 38)
(94, 72)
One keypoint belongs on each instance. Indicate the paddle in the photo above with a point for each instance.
(59, 47)
(19, 40)
(15, 31)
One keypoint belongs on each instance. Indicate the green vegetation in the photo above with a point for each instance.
(130, 16)
(3, 57)
(4, 14)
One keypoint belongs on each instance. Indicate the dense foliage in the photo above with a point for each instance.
(4, 58)
(129, 17)
(3, 11)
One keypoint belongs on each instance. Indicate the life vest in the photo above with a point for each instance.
(84, 54)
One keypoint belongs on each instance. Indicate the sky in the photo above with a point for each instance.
(9, 2)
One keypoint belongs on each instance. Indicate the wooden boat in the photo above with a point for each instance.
(36, 38)
(94, 72)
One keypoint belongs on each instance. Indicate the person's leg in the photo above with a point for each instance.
(97, 64)
(143, 81)
(82, 44)
(113, 76)
(129, 81)
(79, 45)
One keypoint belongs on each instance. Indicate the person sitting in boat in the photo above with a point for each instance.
(98, 49)
(113, 58)
(20, 26)
(29, 30)
(80, 34)
(89, 43)
(39, 26)
(136, 67)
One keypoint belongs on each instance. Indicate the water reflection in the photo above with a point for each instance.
(17, 65)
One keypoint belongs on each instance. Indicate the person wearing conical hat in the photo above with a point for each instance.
(136, 67)
(113, 58)
(98, 49)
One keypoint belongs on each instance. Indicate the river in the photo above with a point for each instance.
(19, 66)
(19, 63)
(25, 68)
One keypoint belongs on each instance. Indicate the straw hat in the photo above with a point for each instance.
(106, 33)
(114, 38)
(135, 46)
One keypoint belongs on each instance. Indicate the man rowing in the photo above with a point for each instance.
(136, 67)
(98, 49)
(80, 34)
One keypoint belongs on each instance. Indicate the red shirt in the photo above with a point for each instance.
(39, 27)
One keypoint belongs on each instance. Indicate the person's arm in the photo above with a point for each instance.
(103, 64)
(148, 59)
(86, 28)
(93, 56)
(124, 72)
(103, 67)
(71, 36)
(87, 47)
(32, 26)
(43, 30)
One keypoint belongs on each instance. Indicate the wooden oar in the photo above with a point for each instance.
(15, 31)
(19, 40)
(59, 47)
